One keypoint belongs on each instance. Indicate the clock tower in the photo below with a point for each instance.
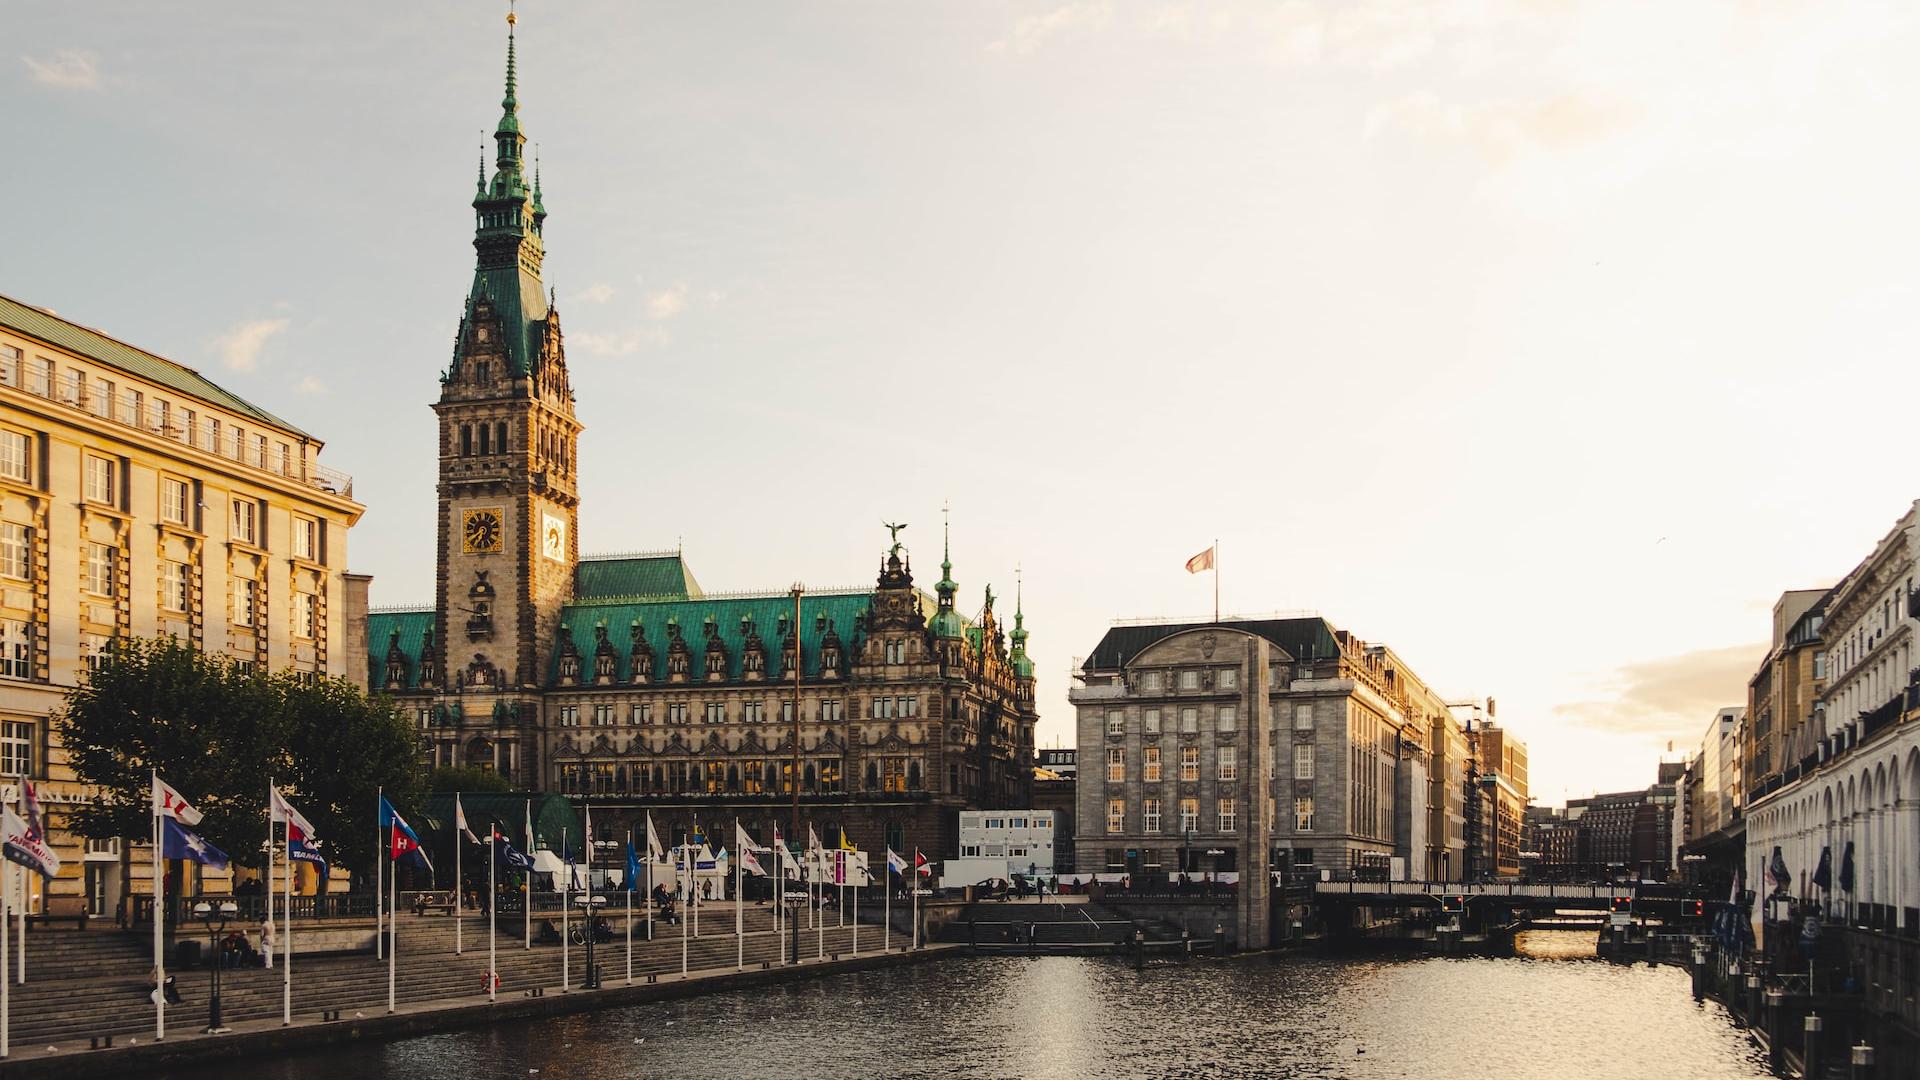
(508, 486)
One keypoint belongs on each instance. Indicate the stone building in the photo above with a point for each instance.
(619, 679)
(1180, 725)
(1785, 720)
(139, 499)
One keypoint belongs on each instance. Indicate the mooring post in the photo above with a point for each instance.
(1862, 1062)
(1776, 1038)
(1753, 1000)
(1810, 1048)
(1139, 949)
(1700, 972)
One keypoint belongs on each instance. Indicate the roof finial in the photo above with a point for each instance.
(480, 180)
(509, 104)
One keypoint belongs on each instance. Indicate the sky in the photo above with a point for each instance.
(1543, 341)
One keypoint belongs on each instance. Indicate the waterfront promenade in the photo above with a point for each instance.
(85, 986)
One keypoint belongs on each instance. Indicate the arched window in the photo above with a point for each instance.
(466, 439)
(733, 778)
(873, 776)
(500, 437)
(913, 775)
(810, 777)
(486, 438)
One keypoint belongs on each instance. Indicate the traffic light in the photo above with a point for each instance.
(1453, 905)
(1622, 905)
(1696, 909)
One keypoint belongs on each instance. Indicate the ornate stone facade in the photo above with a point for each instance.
(617, 679)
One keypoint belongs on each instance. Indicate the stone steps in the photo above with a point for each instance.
(50, 1011)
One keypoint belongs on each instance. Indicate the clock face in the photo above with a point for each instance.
(483, 530)
(553, 537)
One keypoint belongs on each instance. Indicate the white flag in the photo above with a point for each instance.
(744, 842)
(279, 810)
(655, 853)
(460, 821)
(168, 803)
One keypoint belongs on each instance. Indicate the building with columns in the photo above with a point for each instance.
(1853, 796)
(140, 499)
(619, 679)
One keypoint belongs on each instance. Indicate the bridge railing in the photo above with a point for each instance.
(1466, 888)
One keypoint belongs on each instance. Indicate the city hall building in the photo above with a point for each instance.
(620, 681)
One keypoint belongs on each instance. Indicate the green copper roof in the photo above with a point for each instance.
(842, 609)
(654, 577)
(413, 626)
(94, 345)
(507, 227)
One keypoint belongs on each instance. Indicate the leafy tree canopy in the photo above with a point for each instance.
(453, 778)
(219, 734)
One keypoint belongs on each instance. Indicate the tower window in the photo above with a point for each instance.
(486, 439)
(466, 439)
(500, 437)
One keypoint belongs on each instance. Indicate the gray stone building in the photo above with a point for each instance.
(1228, 747)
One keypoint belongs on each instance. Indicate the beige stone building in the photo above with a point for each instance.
(138, 498)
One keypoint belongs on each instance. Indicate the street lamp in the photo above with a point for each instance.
(592, 902)
(215, 920)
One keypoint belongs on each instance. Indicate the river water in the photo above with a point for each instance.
(1551, 1012)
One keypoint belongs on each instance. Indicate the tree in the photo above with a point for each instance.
(468, 778)
(218, 733)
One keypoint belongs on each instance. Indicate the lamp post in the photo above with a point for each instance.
(215, 920)
(592, 902)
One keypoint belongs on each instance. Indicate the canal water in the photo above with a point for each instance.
(1551, 1012)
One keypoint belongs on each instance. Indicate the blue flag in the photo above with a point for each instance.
(509, 854)
(633, 869)
(179, 842)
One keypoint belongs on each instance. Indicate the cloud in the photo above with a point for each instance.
(624, 343)
(1672, 697)
(310, 385)
(239, 348)
(1501, 131)
(597, 294)
(68, 69)
(1033, 31)
(667, 303)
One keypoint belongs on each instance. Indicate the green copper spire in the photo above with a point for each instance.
(1022, 666)
(946, 622)
(508, 220)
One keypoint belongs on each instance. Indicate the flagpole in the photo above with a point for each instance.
(856, 915)
(493, 900)
(267, 875)
(820, 923)
(685, 897)
(159, 946)
(886, 907)
(739, 896)
(526, 876)
(914, 876)
(630, 916)
(459, 883)
(286, 960)
(379, 881)
(393, 928)
(1216, 579)
(6, 1015)
(566, 883)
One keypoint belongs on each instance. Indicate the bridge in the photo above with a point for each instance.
(1506, 894)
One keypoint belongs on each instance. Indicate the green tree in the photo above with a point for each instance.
(218, 733)
(467, 778)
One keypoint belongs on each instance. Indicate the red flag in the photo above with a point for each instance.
(920, 863)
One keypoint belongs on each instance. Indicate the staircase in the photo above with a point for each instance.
(84, 985)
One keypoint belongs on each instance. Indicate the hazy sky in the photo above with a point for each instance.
(1546, 342)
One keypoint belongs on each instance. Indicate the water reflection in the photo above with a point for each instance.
(1549, 1012)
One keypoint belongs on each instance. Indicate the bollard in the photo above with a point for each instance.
(109, 1043)
(1776, 1045)
(1862, 1062)
(973, 932)
(1219, 940)
(1186, 940)
(1753, 1000)
(1810, 1049)
(1139, 949)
